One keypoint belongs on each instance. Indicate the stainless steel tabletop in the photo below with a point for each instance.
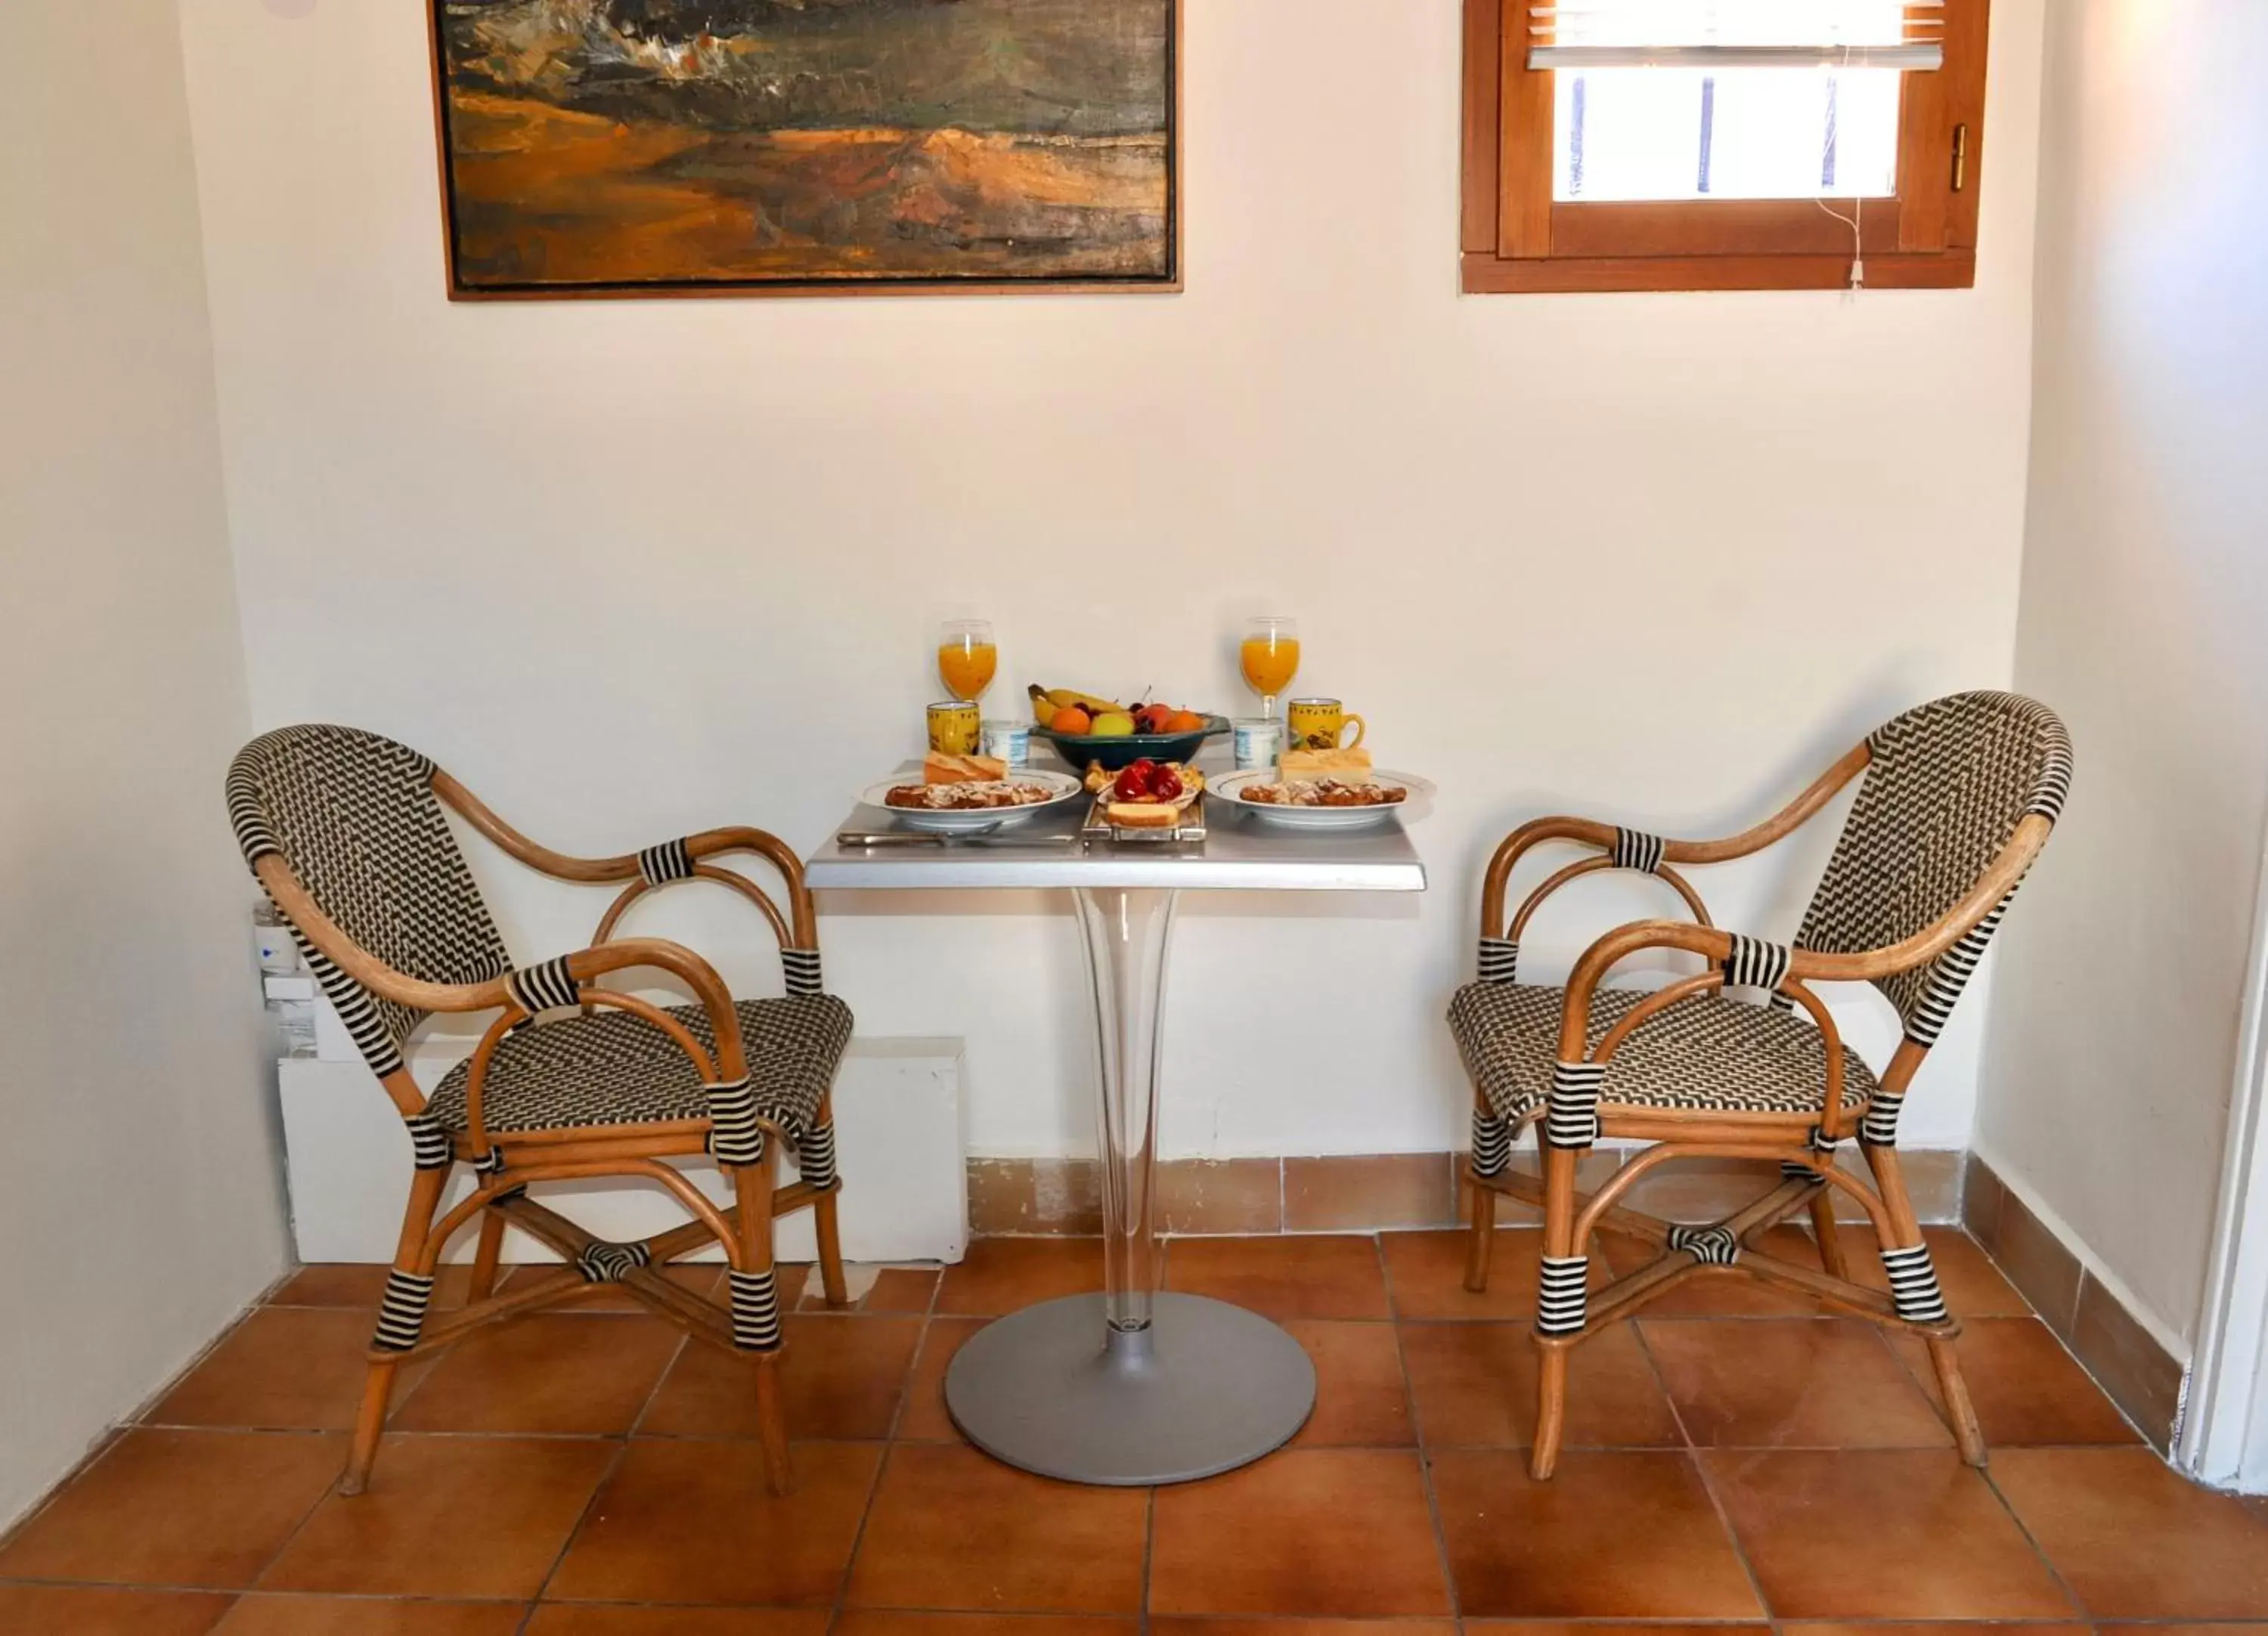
(1241, 852)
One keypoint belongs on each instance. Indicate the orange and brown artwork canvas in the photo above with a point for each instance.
(651, 147)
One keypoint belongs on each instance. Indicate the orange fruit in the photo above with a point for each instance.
(1070, 719)
(1185, 721)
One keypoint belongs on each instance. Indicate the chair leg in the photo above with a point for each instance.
(1823, 1228)
(1897, 1206)
(485, 1257)
(378, 1384)
(1484, 1236)
(1552, 1363)
(756, 1312)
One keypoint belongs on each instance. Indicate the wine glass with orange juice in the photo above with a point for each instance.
(1270, 658)
(965, 659)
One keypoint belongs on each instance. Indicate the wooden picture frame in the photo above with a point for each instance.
(541, 200)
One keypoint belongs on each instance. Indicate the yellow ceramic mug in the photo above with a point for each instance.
(1320, 724)
(955, 727)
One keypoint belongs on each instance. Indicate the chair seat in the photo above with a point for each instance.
(615, 1068)
(1705, 1053)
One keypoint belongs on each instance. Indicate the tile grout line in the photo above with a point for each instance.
(1418, 1443)
(621, 1454)
(889, 1443)
(1708, 1488)
(2077, 1604)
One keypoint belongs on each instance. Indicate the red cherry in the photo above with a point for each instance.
(1167, 784)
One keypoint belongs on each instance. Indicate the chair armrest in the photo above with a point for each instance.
(1617, 946)
(1592, 832)
(581, 967)
(656, 866)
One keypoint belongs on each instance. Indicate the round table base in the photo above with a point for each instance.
(1205, 1389)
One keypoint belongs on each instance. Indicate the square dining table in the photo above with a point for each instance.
(1131, 1387)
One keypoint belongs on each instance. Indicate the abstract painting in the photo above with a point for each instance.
(658, 147)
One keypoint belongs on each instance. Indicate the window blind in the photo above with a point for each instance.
(1736, 34)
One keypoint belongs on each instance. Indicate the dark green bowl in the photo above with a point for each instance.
(1082, 750)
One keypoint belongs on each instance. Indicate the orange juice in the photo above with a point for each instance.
(1269, 663)
(968, 668)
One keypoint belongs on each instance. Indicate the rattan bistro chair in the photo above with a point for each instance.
(346, 832)
(1958, 798)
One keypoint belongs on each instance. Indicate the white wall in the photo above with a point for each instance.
(138, 1195)
(2145, 620)
(635, 568)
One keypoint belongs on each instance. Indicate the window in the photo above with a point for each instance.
(1721, 145)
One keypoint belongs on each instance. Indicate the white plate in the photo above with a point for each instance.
(1228, 789)
(981, 818)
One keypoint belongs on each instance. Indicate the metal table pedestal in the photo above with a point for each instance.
(1132, 1387)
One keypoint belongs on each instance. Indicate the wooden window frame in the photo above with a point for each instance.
(1517, 239)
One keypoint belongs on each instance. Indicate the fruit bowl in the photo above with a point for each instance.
(1083, 750)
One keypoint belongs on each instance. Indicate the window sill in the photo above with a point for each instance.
(1493, 275)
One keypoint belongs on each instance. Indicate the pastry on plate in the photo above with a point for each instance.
(971, 797)
(1322, 792)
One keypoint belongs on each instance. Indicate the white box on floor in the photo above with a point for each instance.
(898, 1118)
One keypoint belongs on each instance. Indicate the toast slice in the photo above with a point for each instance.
(1143, 814)
(1347, 766)
(938, 769)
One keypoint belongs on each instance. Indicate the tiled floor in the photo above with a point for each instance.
(1734, 1458)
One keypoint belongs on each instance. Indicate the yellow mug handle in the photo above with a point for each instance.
(1359, 726)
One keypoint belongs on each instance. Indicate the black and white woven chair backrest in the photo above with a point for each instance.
(355, 816)
(1947, 784)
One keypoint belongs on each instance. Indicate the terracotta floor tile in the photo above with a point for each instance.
(2025, 1387)
(87, 1611)
(359, 1616)
(1546, 1627)
(1789, 1383)
(1721, 1294)
(2134, 1540)
(1474, 1384)
(925, 1419)
(1361, 1398)
(1611, 1536)
(1294, 1276)
(953, 1528)
(1957, 1628)
(1924, 1537)
(1003, 1275)
(178, 1508)
(283, 1368)
(1337, 1532)
(880, 1622)
(555, 1372)
(448, 1517)
(693, 1522)
(894, 1289)
(1427, 1274)
(568, 1618)
(360, 1283)
(842, 1376)
(1310, 1627)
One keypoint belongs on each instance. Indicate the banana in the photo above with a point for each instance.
(1047, 701)
(1090, 702)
